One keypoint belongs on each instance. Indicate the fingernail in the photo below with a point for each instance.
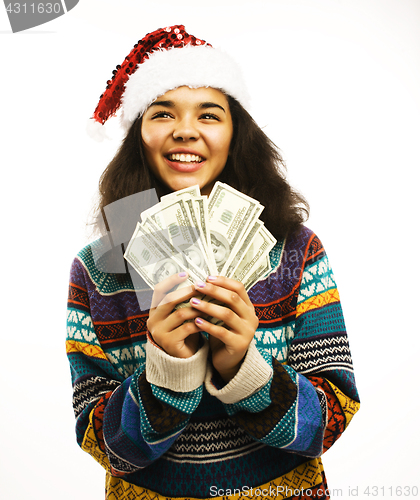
(195, 301)
(182, 274)
(212, 278)
(199, 321)
(200, 284)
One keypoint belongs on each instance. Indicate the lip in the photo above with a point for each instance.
(184, 167)
(184, 151)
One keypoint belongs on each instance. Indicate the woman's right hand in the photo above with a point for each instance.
(170, 328)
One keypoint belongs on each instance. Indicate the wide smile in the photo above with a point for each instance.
(184, 162)
(183, 157)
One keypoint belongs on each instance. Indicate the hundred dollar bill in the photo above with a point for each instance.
(152, 261)
(199, 214)
(261, 270)
(161, 239)
(231, 214)
(193, 191)
(256, 253)
(189, 195)
(183, 237)
(186, 231)
(202, 208)
(246, 242)
(192, 197)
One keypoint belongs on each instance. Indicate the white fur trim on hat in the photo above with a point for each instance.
(192, 66)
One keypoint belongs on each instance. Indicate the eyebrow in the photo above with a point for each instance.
(202, 105)
(205, 105)
(166, 104)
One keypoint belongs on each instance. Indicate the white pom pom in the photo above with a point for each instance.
(96, 130)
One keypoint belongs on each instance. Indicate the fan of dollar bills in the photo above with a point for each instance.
(220, 235)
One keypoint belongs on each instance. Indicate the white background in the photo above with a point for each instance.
(335, 84)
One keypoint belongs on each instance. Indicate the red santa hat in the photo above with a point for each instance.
(157, 64)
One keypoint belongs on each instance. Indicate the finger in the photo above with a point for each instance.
(218, 311)
(183, 294)
(182, 342)
(232, 285)
(174, 300)
(185, 330)
(233, 342)
(162, 289)
(173, 328)
(178, 318)
(164, 318)
(231, 298)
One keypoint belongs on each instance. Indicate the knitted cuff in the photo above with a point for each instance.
(176, 374)
(253, 374)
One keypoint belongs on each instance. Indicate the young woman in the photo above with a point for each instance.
(165, 411)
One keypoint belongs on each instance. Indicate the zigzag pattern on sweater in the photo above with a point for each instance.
(78, 297)
(114, 333)
(125, 301)
(308, 477)
(324, 405)
(107, 283)
(80, 327)
(213, 448)
(275, 340)
(320, 354)
(210, 458)
(127, 359)
(118, 464)
(283, 280)
(317, 279)
(211, 441)
(123, 306)
(89, 390)
(278, 312)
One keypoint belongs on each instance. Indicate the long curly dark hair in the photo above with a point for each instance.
(254, 166)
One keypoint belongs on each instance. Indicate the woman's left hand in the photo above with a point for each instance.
(229, 342)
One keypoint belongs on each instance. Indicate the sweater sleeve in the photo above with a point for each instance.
(304, 402)
(125, 423)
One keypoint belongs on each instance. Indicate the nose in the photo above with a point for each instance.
(185, 130)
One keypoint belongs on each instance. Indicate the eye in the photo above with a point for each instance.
(162, 114)
(209, 116)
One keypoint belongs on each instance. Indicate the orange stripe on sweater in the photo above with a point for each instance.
(317, 301)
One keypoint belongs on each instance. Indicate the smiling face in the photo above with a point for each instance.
(186, 135)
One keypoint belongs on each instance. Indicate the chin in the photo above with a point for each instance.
(184, 183)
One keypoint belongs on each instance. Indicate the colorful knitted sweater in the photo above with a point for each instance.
(164, 427)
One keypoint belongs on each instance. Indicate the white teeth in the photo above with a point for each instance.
(185, 157)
